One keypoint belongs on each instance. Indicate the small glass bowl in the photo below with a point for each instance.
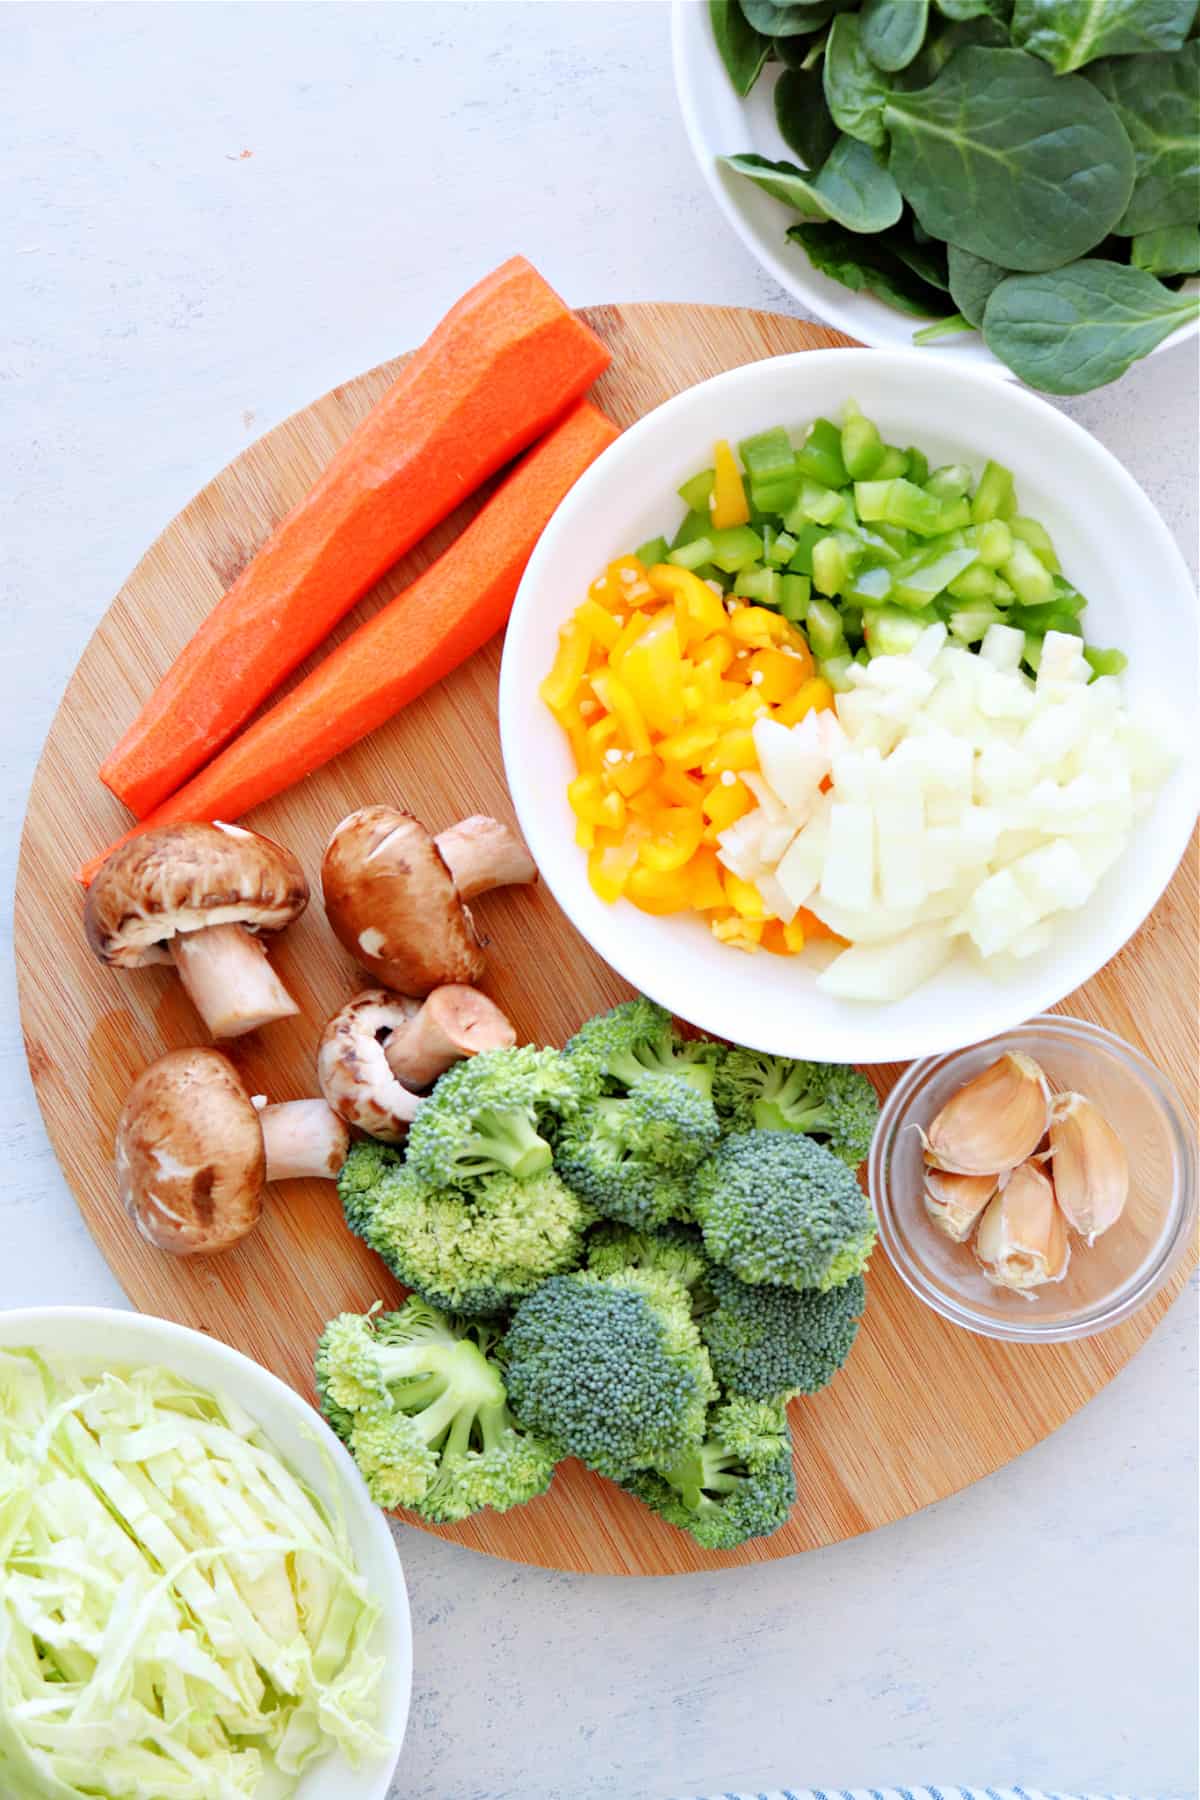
(1103, 1284)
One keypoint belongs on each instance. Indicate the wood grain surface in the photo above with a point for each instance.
(922, 1408)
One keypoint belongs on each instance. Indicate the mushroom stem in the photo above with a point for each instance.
(229, 980)
(302, 1139)
(454, 1022)
(481, 853)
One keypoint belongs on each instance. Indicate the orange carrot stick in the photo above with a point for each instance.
(416, 639)
(505, 362)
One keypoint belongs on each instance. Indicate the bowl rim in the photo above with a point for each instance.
(950, 1031)
(798, 277)
(1104, 1314)
(371, 1781)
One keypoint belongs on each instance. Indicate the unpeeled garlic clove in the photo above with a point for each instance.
(954, 1202)
(994, 1122)
(1091, 1169)
(1022, 1239)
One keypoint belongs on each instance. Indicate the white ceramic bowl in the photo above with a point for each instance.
(306, 1444)
(1114, 547)
(720, 123)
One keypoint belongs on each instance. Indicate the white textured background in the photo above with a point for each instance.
(163, 299)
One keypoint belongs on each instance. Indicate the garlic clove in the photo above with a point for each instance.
(1091, 1169)
(954, 1202)
(994, 1122)
(1022, 1239)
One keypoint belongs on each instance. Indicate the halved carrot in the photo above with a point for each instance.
(444, 617)
(505, 362)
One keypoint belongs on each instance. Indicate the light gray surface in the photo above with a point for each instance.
(166, 298)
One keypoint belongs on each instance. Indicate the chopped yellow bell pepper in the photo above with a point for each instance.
(743, 934)
(794, 936)
(703, 609)
(629, 778)
(567, 670)
(813, 696)
(584, 795)
(726, 801)
(704, 878)
(675, 839)
(610, 812)
(743, 896)
(652, 670)
(686, 748)
(716, 653)
(627, 583)
(609, 868)
(659, 890)
(680, 788)
(776, 676)
(616, 698)
(758, 627)
(728, 505)
(585, 834)
(734, 750)
(599, 623)
(600, 735)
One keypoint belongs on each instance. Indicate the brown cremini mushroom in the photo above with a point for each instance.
(380, 1047)
(194, 895)
(194, 1151)
(396, 896)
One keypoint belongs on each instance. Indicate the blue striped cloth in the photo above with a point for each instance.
(925, 1793)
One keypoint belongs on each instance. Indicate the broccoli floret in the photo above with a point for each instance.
(775, 1206)
(420, 1402)
(768, 1343)
(485, 1115)
(832, 1101)
(675, 1252)
(476, 1252)
(367, 1171)
(738, 1484)
(636, 1040)
(631, 1157)
(609, 1369)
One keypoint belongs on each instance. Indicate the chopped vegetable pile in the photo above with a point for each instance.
(179, 1616)
(1031, 171)
(635, 1251)
(849, 701)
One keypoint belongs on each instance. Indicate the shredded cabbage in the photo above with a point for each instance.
(180, 1618)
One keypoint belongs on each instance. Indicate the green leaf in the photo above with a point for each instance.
(867, 265)
(787, 20)
(1010, 162)
(963, 9)
(1069, 33)
(893, 31)
(1157, 99)
(801, 52)
(940, 44)
(954, 326)
(1171, 250)
(927, 260)
(742, 49)
(971, 282)
(1073, 329)
(803, 117)
(855, 90)
(852, 187)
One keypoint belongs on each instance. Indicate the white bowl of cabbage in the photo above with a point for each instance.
(948, 763)
(197, 1598)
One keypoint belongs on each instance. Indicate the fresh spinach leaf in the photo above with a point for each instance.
(855, 90)
(803, 117)
(1069, 33)
(866, 265)
(852, 186)
(1010, 162)
(786, 20)
(942, 40)
(742, 49)
(801, 52)
(893, 31)
(954, 326)
(927, 260)
(1073, 329)
(962, 9)
(1171, 250)
(971, 282)
(1157, 99)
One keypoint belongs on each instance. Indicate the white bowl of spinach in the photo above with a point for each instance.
(1015, 181)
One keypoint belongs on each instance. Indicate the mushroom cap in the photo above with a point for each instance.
(393, 904)
(190, 1159)
(353, 1071)
(178, 878)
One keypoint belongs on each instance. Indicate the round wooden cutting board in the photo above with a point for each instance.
(921, 1409)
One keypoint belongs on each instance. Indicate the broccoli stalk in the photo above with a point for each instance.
(484, 1117)
(756, 1092)
(423, 1409)
(735, 1485)
(636, 1042)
